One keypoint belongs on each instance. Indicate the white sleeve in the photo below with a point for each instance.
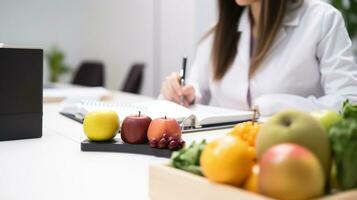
(338, 72)
(199, 74)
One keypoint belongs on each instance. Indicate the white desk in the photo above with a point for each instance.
(53, 167)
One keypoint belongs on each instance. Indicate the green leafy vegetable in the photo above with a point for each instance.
(188, 158)
(344, 145)
(349, 110)
(343, 137)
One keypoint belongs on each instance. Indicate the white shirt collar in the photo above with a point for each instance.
(292, 18)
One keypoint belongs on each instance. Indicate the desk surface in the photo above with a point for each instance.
(53, 167)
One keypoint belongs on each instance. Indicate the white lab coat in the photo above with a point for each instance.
(310, 65)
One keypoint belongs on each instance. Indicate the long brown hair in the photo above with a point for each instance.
(226, 37)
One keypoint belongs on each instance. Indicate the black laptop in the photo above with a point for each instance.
(20, 93)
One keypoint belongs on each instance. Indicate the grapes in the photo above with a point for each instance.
(171, 142)
(174, 144)
(165, 136)
(153, 143)
(182, 143)
(163, 143)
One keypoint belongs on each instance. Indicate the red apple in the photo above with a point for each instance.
(134, 129)
(290, 171)
(165, 133)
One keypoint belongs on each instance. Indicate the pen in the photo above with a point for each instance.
(183, 76)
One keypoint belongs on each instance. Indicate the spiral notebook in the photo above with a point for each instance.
(194, 118)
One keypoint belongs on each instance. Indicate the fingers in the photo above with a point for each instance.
(189, 94)
(174, 80)
(171, 88)
(186, 103)
(168, 93)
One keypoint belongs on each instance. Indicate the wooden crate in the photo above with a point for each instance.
(166, 183)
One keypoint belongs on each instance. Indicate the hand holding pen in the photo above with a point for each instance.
(183, 78)
(176, 89)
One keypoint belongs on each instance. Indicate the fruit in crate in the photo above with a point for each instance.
(290, 171)
(292, 126)
(327, 118)
(227, 160)
(333, 177)
(134, 129)
(101, 125)
(251, 184)
(247, 131)
(165, 133)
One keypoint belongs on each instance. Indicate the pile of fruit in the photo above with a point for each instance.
(160, 133)
(288, 157)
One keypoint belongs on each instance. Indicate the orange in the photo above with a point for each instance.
(227, 160)
(247, 131)
(251, 184)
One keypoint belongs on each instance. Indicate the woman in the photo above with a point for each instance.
(274, 54)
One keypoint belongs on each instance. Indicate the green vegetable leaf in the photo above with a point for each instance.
(188, 158)
(349, 110)
(343, 136)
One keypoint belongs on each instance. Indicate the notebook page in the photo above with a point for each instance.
(123, 110)
(214, 115)
(161, 108)
(154, 109)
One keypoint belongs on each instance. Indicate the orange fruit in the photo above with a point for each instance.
(227, 160)
(251, 184)
(247, 131)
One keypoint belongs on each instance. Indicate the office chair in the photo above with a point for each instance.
(134, 79)
(90, 74)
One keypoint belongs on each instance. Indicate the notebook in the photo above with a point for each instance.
(195, 117)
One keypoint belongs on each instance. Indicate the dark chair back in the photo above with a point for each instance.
(90, 74)
(134, 79)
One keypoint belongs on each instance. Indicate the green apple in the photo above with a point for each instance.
(327, 118)
(101, 125)
(292, 126)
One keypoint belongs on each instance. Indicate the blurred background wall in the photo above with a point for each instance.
(116, 32)
(180, 24)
